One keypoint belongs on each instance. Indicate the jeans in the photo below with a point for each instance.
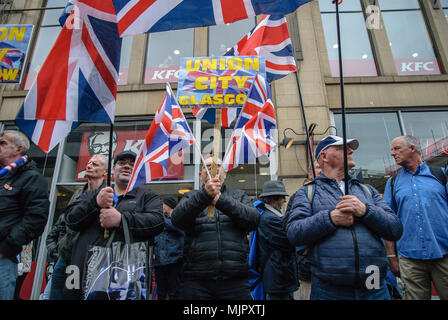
(230, 289)
(324, 291)
(58, 280)
(8, 277)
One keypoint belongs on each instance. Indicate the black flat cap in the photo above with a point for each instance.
(124, 155)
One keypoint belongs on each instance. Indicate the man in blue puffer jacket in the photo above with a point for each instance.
(343, 232)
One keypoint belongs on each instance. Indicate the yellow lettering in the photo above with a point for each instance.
(206, 99)
(3, 52)
(188, 66)
(225, 81)
(193, 100)
(198, 83)
(229, 99)
(209, 64)
(252, 63)
(15, 34)
(240, 81)
(3, 33)
(184, 100)
(218, 99)
(235, 63)
(10, 74)
(240, 98)
(212, 82)
(222, 64)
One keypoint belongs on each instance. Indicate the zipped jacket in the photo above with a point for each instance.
(142, 209)
(24, 208)
(343, 256)
(216, 247)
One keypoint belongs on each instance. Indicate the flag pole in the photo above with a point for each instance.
(109, 171)
(341, 80)
(215, 153)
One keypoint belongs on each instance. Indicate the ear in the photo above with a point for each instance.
(20, 149)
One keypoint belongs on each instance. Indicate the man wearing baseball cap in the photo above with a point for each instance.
(342, 232)
(104, 208)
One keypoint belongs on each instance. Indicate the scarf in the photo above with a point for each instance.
(7, 169)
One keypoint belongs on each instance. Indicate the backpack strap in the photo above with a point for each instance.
(439, 174)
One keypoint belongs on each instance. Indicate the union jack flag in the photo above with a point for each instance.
(168, 134)
(253, 135)
(141, 16)
(270, 38)
(83, 86)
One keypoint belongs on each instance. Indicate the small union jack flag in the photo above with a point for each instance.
(253, 135)
(168, 134)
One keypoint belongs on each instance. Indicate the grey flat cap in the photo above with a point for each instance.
(273, 188)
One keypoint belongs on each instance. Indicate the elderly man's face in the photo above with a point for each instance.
(203, 173)
(334, 157)
(401, 152)
(8, 151)
(96, 168)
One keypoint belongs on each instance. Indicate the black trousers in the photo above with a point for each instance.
(168, 279)
(229, 289)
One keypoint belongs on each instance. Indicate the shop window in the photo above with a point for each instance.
(223, 37)
(125, 59)
(445, 8)
(408, 37)
(48, 32)
(91, 139)
(357, 56)
(375, 132)
(165, 49)
(432, 130)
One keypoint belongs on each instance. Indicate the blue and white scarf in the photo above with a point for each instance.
(7, 169)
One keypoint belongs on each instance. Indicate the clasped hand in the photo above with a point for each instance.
(345, 211)
(109, 216)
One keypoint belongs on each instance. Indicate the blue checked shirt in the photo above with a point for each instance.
(421, 203)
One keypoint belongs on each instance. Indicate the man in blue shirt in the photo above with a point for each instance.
(420, 201)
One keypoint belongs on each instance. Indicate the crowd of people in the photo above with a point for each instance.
(336, 239)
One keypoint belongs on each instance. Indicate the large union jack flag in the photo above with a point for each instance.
(270, 38)
(78, 80)
(140, 16)
(253, 135)
(168, 134)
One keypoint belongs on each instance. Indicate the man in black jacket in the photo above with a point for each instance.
(61, 238)
(24, 205)
(105, 208)
(276, 259)
(216, 249)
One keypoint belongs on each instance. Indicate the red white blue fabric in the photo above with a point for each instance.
(253, 135)
(78, 80)
(168, 134)
(271, 39)
(141, 16)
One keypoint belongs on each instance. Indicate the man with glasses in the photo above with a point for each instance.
(99, 209)
(342, 232)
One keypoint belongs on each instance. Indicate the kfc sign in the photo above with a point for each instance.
(97, 142)
(162, 75)
(413, 66)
